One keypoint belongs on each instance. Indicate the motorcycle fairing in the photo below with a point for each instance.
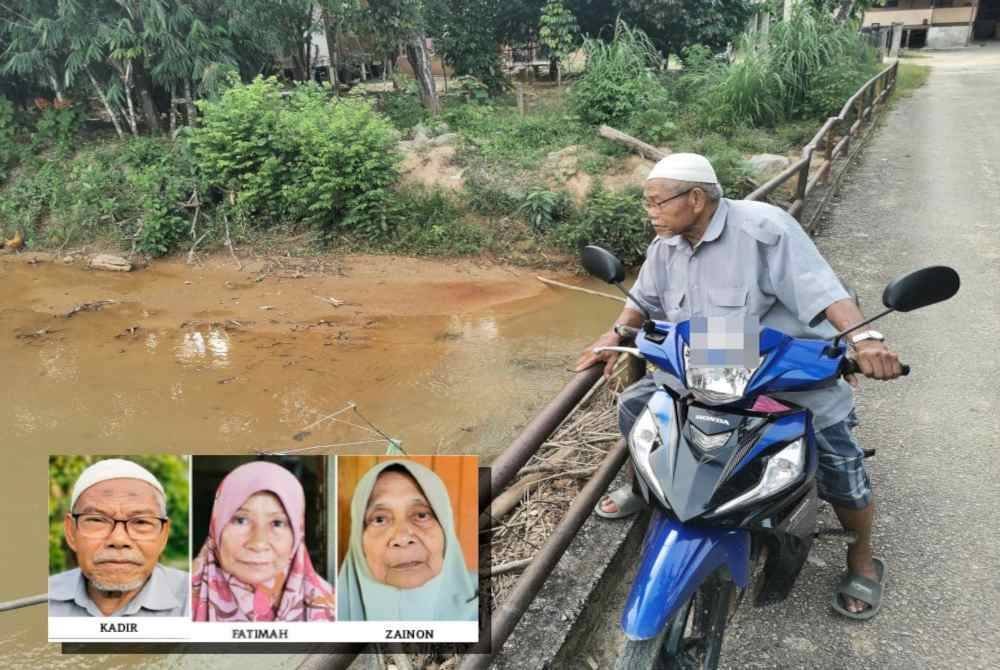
(676, 559)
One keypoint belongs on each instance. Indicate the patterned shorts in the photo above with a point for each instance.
(841, 478)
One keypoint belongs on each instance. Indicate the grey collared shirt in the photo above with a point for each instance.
(165, 593)
(754, 259)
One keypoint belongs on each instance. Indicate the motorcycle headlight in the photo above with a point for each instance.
(717, 386)
(643, 439)
(783, 469)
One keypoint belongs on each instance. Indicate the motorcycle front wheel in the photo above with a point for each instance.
(692, 639)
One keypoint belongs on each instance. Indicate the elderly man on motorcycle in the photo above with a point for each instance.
(716, 257)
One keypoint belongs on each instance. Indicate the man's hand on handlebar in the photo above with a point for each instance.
(876, 361)
(588, 358)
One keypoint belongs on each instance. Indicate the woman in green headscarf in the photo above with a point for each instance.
(404, 562)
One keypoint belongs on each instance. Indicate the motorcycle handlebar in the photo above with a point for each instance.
(850, 367)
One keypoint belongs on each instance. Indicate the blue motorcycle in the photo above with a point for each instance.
(729, 472)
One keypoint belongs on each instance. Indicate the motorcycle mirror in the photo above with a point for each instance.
(602, 264)
(921, 288)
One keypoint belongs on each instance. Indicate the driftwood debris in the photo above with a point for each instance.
(508, 567)
(88, 307)
(110, 263)
(559, 284)
(636, 145)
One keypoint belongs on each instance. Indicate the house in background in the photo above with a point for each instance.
(937, 24)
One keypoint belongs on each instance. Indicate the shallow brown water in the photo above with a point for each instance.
(447, 357)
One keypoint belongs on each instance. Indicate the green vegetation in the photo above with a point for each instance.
(805, 68)
(295, 158)
(172, 473)
(263, 159)
(911, 77)
(619, 80)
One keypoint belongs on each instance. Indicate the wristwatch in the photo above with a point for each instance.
(867, 335)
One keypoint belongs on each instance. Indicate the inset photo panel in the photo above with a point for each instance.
(408, 538)
(261, 540)
(118, 546)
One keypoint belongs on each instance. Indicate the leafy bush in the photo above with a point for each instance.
(57, 126)
(415, 220)
(489, 194)
(618, 81)
(404, 110)
(543, 209)
(300, 159)
(8, 137)
(130, 190)
(615, 221)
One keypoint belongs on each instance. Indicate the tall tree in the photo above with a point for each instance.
(403, 22)
(465, 34)
(675, 24)
(558, 32)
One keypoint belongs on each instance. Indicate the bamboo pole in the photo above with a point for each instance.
(553, 282)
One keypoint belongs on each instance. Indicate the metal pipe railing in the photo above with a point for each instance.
(505, 467)
(516, 604)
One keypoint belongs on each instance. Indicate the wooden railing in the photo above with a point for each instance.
(833, 139)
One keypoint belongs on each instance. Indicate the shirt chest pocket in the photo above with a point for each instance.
(673, 300)
(726, 300)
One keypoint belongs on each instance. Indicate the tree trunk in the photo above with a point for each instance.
(844, 11)
(416, 53)
(145, 88)
(173, 110)
(192, 111)
(130, 111)
(107, 106)
(330, 30)
(558, 76)
(56, 87)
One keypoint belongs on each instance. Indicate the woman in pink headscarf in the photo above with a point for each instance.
(254, 565)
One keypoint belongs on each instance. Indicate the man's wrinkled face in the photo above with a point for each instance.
(402, 538)
(117, 562)
(256, 545)
(668, 207)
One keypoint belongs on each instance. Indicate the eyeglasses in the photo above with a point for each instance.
(99, 527)
(659, 205)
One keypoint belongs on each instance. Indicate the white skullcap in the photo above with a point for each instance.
(684, 167)
(113, 468)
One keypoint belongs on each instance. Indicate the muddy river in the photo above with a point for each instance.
(448, 357)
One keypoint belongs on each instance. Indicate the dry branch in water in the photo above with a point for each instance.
(88, 307)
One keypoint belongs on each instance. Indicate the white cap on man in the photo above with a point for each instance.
(684, 167)
(113, 468)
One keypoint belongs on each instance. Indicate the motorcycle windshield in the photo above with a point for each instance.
(788, 363)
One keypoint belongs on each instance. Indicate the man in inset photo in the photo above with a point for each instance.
(117, 527)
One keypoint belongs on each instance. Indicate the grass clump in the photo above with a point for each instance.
(619, 79)
(910, 77)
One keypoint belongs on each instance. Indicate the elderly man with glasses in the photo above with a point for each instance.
(117, 526)
(716, 257)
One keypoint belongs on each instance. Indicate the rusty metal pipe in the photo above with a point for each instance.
(505, 467)
(516, 604)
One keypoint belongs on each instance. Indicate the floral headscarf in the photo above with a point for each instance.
(220, 596)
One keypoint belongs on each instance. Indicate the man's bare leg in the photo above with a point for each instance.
(859, 553)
